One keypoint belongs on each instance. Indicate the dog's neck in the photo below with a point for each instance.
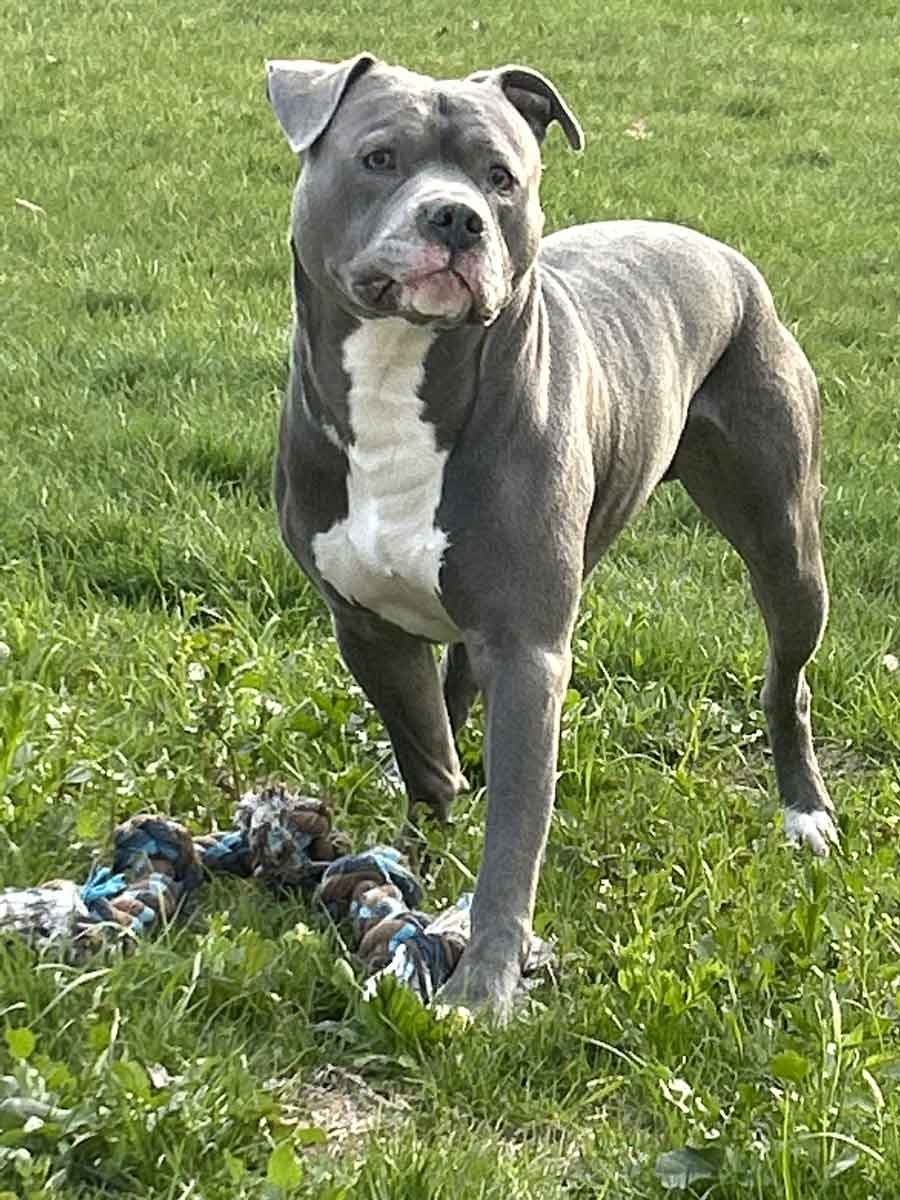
(449, 386)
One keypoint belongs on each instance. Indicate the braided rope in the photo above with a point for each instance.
(282, 838)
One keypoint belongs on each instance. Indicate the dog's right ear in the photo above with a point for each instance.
(305, 94)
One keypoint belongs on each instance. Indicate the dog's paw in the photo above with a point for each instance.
(814, 829)
(483, 989)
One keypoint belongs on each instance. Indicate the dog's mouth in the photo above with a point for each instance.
(442, 295)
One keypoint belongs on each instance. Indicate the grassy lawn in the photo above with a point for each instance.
(715, 990)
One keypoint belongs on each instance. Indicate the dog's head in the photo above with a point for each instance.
(418, 197)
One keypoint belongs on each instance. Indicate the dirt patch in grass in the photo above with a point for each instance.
(338, 1102)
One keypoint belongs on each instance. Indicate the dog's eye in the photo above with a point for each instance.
(501, 180)
(381, 159)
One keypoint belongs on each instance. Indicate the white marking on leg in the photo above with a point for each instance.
(386, 554)
(814, 829)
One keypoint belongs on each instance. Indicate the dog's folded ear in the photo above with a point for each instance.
(536, 99)
(306, 94)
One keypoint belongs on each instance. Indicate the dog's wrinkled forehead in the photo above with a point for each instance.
(450, 118)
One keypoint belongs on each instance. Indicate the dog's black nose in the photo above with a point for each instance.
(454, 225)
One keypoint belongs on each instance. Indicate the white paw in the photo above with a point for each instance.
(814, 829)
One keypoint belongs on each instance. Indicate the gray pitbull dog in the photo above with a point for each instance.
(473, 414)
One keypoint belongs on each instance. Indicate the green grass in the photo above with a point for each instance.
(715, 989)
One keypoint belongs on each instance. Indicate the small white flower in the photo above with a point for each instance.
(638, 130)
(678, 1092)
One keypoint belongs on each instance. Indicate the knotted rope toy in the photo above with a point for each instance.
(379, 894)
(157, 863)
(279, 837)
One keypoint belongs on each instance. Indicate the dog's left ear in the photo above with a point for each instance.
(305, 94)
(536, 99)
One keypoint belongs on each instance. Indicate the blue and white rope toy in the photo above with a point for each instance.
(280, 837)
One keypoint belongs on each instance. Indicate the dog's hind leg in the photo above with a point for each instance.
(749, 459)
(399, 675)
(460, 688)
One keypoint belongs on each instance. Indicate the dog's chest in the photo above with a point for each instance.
(386, 553)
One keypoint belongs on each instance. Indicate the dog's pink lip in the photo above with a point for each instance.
(462, 279)
(380, 292)
(416, 277)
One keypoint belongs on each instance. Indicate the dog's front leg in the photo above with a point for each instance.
(523, 688)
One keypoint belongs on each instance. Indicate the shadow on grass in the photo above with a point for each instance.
(197, 369)
(120, 304)
(110, 560)
(752, 106)
(231, 468)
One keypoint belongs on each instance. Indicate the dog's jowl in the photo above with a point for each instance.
(475, 411)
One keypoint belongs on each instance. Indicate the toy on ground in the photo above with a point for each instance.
(279, 837)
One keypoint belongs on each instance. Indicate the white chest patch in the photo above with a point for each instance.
(386, 553)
